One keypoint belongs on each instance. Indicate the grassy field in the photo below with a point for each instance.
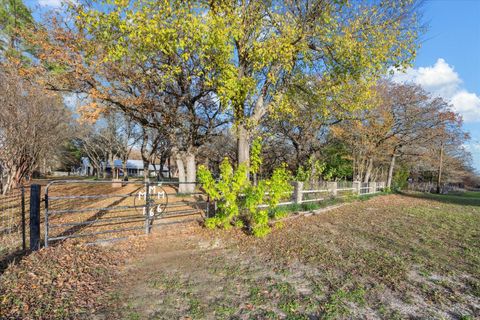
(391, 257)
(411, 256)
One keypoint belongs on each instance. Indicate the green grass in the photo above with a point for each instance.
(461, 198)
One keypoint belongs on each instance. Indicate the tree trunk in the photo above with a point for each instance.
(390, 171)
(112, 166)
(191, 172)
(243, 145)
(104, 168)
(440, 168)
(163, 160)
(181, 173)
(146, 170)
(369, 170)
(187, 171)
(124, 168)
(169, 168)
(7, 183)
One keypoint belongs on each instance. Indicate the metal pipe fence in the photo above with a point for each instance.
(95, 210)
(340, 189)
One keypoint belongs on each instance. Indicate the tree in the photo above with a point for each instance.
(403, 120)
(154, 147)
(162, 77)
(337, 41)
(91, 145)
(15, 17)
(128, 138)
(34, 124)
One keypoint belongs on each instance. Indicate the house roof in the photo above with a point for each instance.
(131, 164)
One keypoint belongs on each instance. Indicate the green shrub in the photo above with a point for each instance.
(400, 178)
(238, 200)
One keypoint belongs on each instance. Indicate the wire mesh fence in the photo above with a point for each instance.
(13, 221)
(339, 189)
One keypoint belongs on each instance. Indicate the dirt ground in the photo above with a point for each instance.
(391, 257)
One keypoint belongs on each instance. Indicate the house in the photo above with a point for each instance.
(134, 168)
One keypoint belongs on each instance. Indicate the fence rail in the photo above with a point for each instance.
(95, 211)
(333, 190)
(433, 187)
(76, 209)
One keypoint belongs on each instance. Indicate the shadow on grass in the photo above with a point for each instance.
(456, 198)
(96, 217)
(6, 260)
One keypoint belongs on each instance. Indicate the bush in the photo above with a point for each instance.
(239, 201)
(400, 178)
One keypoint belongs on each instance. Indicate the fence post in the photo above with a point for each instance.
(147, 208)
(356, 187)
(24, 240)
(297, 192)
(35, 217)
(332, 187)
(373, 187)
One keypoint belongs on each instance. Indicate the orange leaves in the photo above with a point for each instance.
(90, 112)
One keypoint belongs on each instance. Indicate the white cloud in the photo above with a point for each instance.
(473, 146)
(442, 80)
(50, 3)
(467, 104)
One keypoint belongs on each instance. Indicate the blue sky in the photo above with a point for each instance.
(447, 64)
(454, 35)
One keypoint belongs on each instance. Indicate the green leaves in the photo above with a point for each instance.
(241, 203)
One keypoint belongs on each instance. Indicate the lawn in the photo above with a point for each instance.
(391, 257)
(411, 256)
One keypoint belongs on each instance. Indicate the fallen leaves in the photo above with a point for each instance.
(62, 282)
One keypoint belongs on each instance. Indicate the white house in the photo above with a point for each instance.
(134, 168)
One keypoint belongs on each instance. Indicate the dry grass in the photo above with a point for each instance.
(392, 257)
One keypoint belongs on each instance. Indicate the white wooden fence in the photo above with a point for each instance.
(328, 190)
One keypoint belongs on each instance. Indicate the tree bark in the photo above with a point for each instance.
(124, 168)
(243, 145)
(111, 160)
(146, 170)
(181, 173)
(369, 170)
(390, 171)
(440, 168)
(191, 172)
(104, 167)
(187, 171)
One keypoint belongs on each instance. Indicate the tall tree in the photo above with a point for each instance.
(403, 120)
(33, 125)
(339, 42)
(154, 61)
(14, 17)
